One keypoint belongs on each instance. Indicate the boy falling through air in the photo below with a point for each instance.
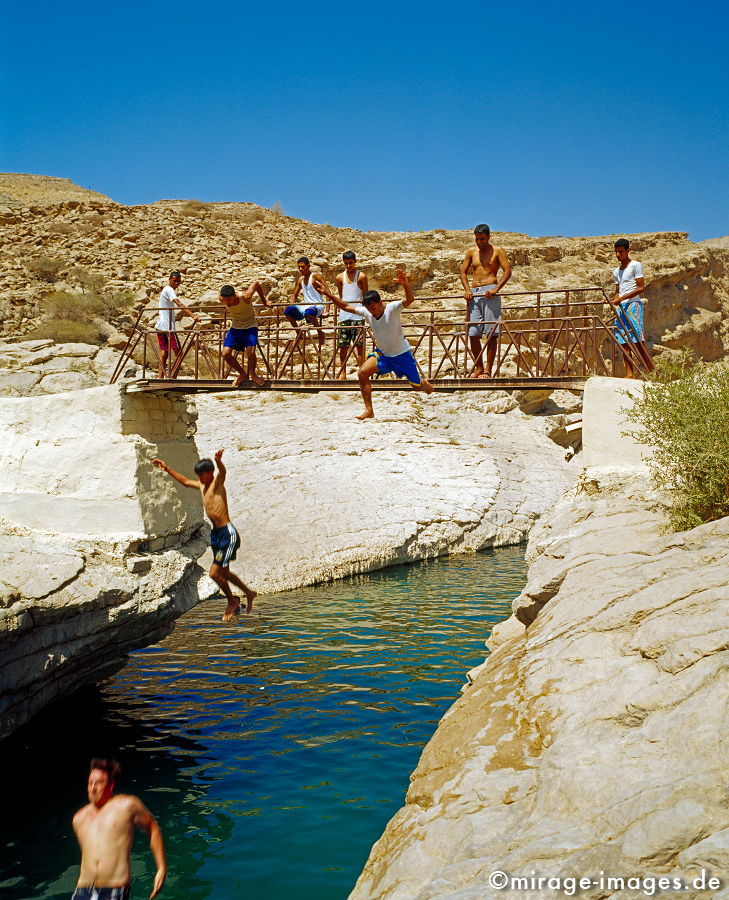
(392, 351)
(224, 538)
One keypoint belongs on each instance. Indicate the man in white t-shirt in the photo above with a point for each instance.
(165, 324)
(392, 350)
(628, 303)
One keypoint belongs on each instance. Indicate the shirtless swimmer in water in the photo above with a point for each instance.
(105, 831)
(224, 538)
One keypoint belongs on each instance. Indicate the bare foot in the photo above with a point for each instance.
(250, 597)
(367, 414)
(477, 373)
(232, 609)
(428, 387)
(240, 380)
(256, 379)
(343, 376)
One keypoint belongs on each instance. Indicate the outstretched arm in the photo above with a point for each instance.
(222, 471)
(403, 279)
(188, 482)
(186, 310)
(143, 818)
(337, 301)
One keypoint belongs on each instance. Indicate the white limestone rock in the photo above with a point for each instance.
(316, 494)
(594, 742)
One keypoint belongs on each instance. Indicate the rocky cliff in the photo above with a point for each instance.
(97, 550)
(593, 742)
(58, 243)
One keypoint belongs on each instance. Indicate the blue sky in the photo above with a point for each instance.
(545, 119)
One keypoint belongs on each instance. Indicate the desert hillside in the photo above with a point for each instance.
(64, 246)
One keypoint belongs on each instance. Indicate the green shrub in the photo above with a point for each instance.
(45, 268)
(66, 331)
(683, 416)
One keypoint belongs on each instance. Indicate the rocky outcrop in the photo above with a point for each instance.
(593, 741)
(97, 549)
(32, 368)
(316, 494)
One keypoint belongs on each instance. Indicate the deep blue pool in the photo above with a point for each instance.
(273, 752)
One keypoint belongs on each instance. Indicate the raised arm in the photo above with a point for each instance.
(188, 482)
(222, 471)
(402, 278)
(144, 819)
(465, 269)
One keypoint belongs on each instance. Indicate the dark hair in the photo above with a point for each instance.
(227, 290)
(370, 297)
(204, 465)
(175, 274)
(110, 766)
(482, 229)
(303, 259)
(622, 242)
(348, 254)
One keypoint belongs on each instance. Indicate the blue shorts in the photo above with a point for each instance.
(240, 338)
(225, 542)
(298, 313)
(629, 322)
(403, 366)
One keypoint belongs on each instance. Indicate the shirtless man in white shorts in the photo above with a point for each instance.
(484, 303)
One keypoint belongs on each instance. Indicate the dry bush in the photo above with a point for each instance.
(73, 307)
(195, 208)
(250, 216)
(262, 248)
(45, 268)
(66, 331)
(118, 303)
(89, 281)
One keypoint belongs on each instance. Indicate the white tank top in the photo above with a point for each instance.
(352, 294)
(313, 297)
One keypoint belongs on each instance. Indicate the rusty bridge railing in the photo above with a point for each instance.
(567, 334)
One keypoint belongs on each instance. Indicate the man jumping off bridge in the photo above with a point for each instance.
(224, 538)
(392, 349)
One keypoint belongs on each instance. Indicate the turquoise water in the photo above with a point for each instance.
(273, 752)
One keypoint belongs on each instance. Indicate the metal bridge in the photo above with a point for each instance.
(548, 339)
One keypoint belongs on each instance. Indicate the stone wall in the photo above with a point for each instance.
(98, 548)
